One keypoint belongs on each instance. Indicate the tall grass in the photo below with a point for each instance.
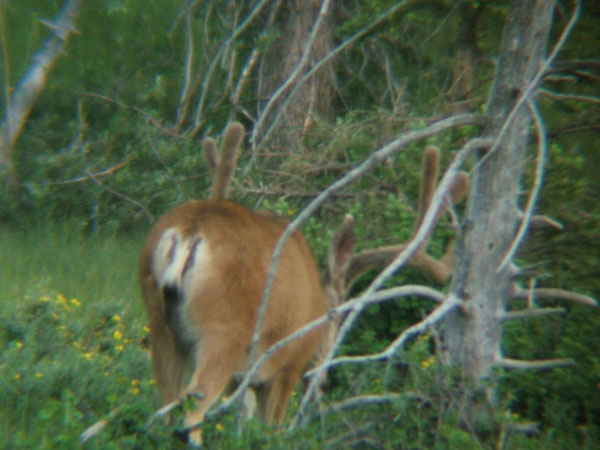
(59, 258)
(71, 331)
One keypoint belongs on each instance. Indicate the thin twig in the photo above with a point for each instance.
(217, 58)
(184, 99)
(560, 96)
(121, 196)
(136, 109)
(86, 177)
(368, 400)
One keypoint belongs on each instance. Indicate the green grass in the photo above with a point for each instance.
(71, 327)
(59, 258)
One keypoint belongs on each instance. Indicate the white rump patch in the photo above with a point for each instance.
(177, 260)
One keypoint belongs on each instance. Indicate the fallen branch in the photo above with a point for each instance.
(384, 295)
(95, 429)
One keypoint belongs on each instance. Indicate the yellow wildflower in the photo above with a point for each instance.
(63, 301)
(219, 427)
(427, 362)
(135, 387)
(75, 302)
(39, 375)
(118, 335)
(116, 317)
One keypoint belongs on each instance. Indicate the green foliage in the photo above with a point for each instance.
(102, 152)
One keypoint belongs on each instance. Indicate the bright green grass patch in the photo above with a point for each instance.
(71, 331)
(58, 257)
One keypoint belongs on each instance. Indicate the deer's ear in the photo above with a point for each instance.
(459, 187)
(341, 248)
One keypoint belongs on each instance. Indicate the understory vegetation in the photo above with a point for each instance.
(101, 157)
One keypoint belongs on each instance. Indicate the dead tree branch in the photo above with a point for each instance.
(531, 87)
(539, 364)
(380, 155)
(535, 189)
(529, 313)
(22, 100)
(556, 293)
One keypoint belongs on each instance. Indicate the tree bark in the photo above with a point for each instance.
(296, 21)
(472, 337)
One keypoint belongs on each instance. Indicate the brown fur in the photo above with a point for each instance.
(220, 314)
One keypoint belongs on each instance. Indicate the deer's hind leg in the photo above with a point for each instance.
(217, 358)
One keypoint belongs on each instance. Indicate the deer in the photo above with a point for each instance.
(202, 273)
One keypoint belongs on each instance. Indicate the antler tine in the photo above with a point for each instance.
(438, 270)
(429, 174)
(339, 257)
(228, 161)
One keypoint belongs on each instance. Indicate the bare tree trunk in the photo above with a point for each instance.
(283, 63)
(472, 337)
